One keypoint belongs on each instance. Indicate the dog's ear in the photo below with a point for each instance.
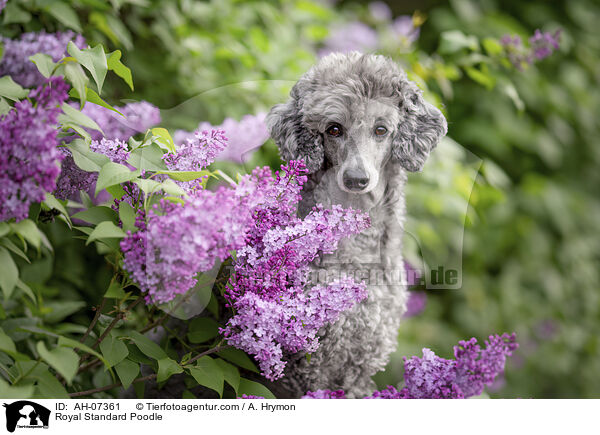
(420, 129)
(294, 140)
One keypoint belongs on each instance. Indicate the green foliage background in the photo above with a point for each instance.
(519, 172)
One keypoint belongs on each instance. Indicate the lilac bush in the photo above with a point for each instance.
(15, 60)
(29, 155)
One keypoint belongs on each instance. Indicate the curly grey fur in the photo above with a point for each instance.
(356, 91)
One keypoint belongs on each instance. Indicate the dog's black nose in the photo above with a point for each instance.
(355, 179)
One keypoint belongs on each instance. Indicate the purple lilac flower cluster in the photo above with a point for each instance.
(178, 241)
(2, 4)
(72, 179)
(15, 60)
(274, 314)
(325, 394)
(196, 154)
(244, 136)
(542, 45)
(432, 377)
(405, 30)
(354, 36)
(29, 156)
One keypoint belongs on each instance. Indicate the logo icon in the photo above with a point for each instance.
(26, 414)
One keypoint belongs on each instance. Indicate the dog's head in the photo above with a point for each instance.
(355, 112)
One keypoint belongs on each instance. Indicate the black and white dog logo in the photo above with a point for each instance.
(26, 414)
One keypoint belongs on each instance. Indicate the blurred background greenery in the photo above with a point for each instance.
(510, 198)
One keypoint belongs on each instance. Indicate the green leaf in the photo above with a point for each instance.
(59, 310)
(93, 97)
(6, 343)
(127, 371)
(8, 244)
(164, 139)
(148, 158)
(115, 65)
(44, 63)
(93, 59)
(105, 230)
(25, 289)
(78, 79)
(114, 173)
(492, 46)
(209, 374)
(52, 203)
(15, 392)
(10, 273)
(29, 231)
(453, 41)
(4, 107)
(147, 346)
(202, 329)
(85, 158)
(13, 13)
(97, 215)
(115, 290)
(230, 373)
(11, 90)
(171, 188)
(252, 388)
(167, 368)
(127, 216)
(186, 175)
(73, 115)
(65, 14)
(114, 350)
(238, 357)
(64, 361)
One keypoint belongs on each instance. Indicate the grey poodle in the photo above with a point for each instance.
(359, 124)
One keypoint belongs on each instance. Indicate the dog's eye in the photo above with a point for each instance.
(380, 131)
(334, 130)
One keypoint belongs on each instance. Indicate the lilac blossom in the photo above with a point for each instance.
(196, 154)
(2, 4)
(29, 154)
(250, 396)
(380, 11)
(15, 60)
(115, 149)
(415, 304)
(404, 28)
(433, 377)
(325, 394)
(541, 45)
(137, 118)
(73, 179)
(354, 36)
(180, 240)
(275, 315)
(388, 393)
(243, 136)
